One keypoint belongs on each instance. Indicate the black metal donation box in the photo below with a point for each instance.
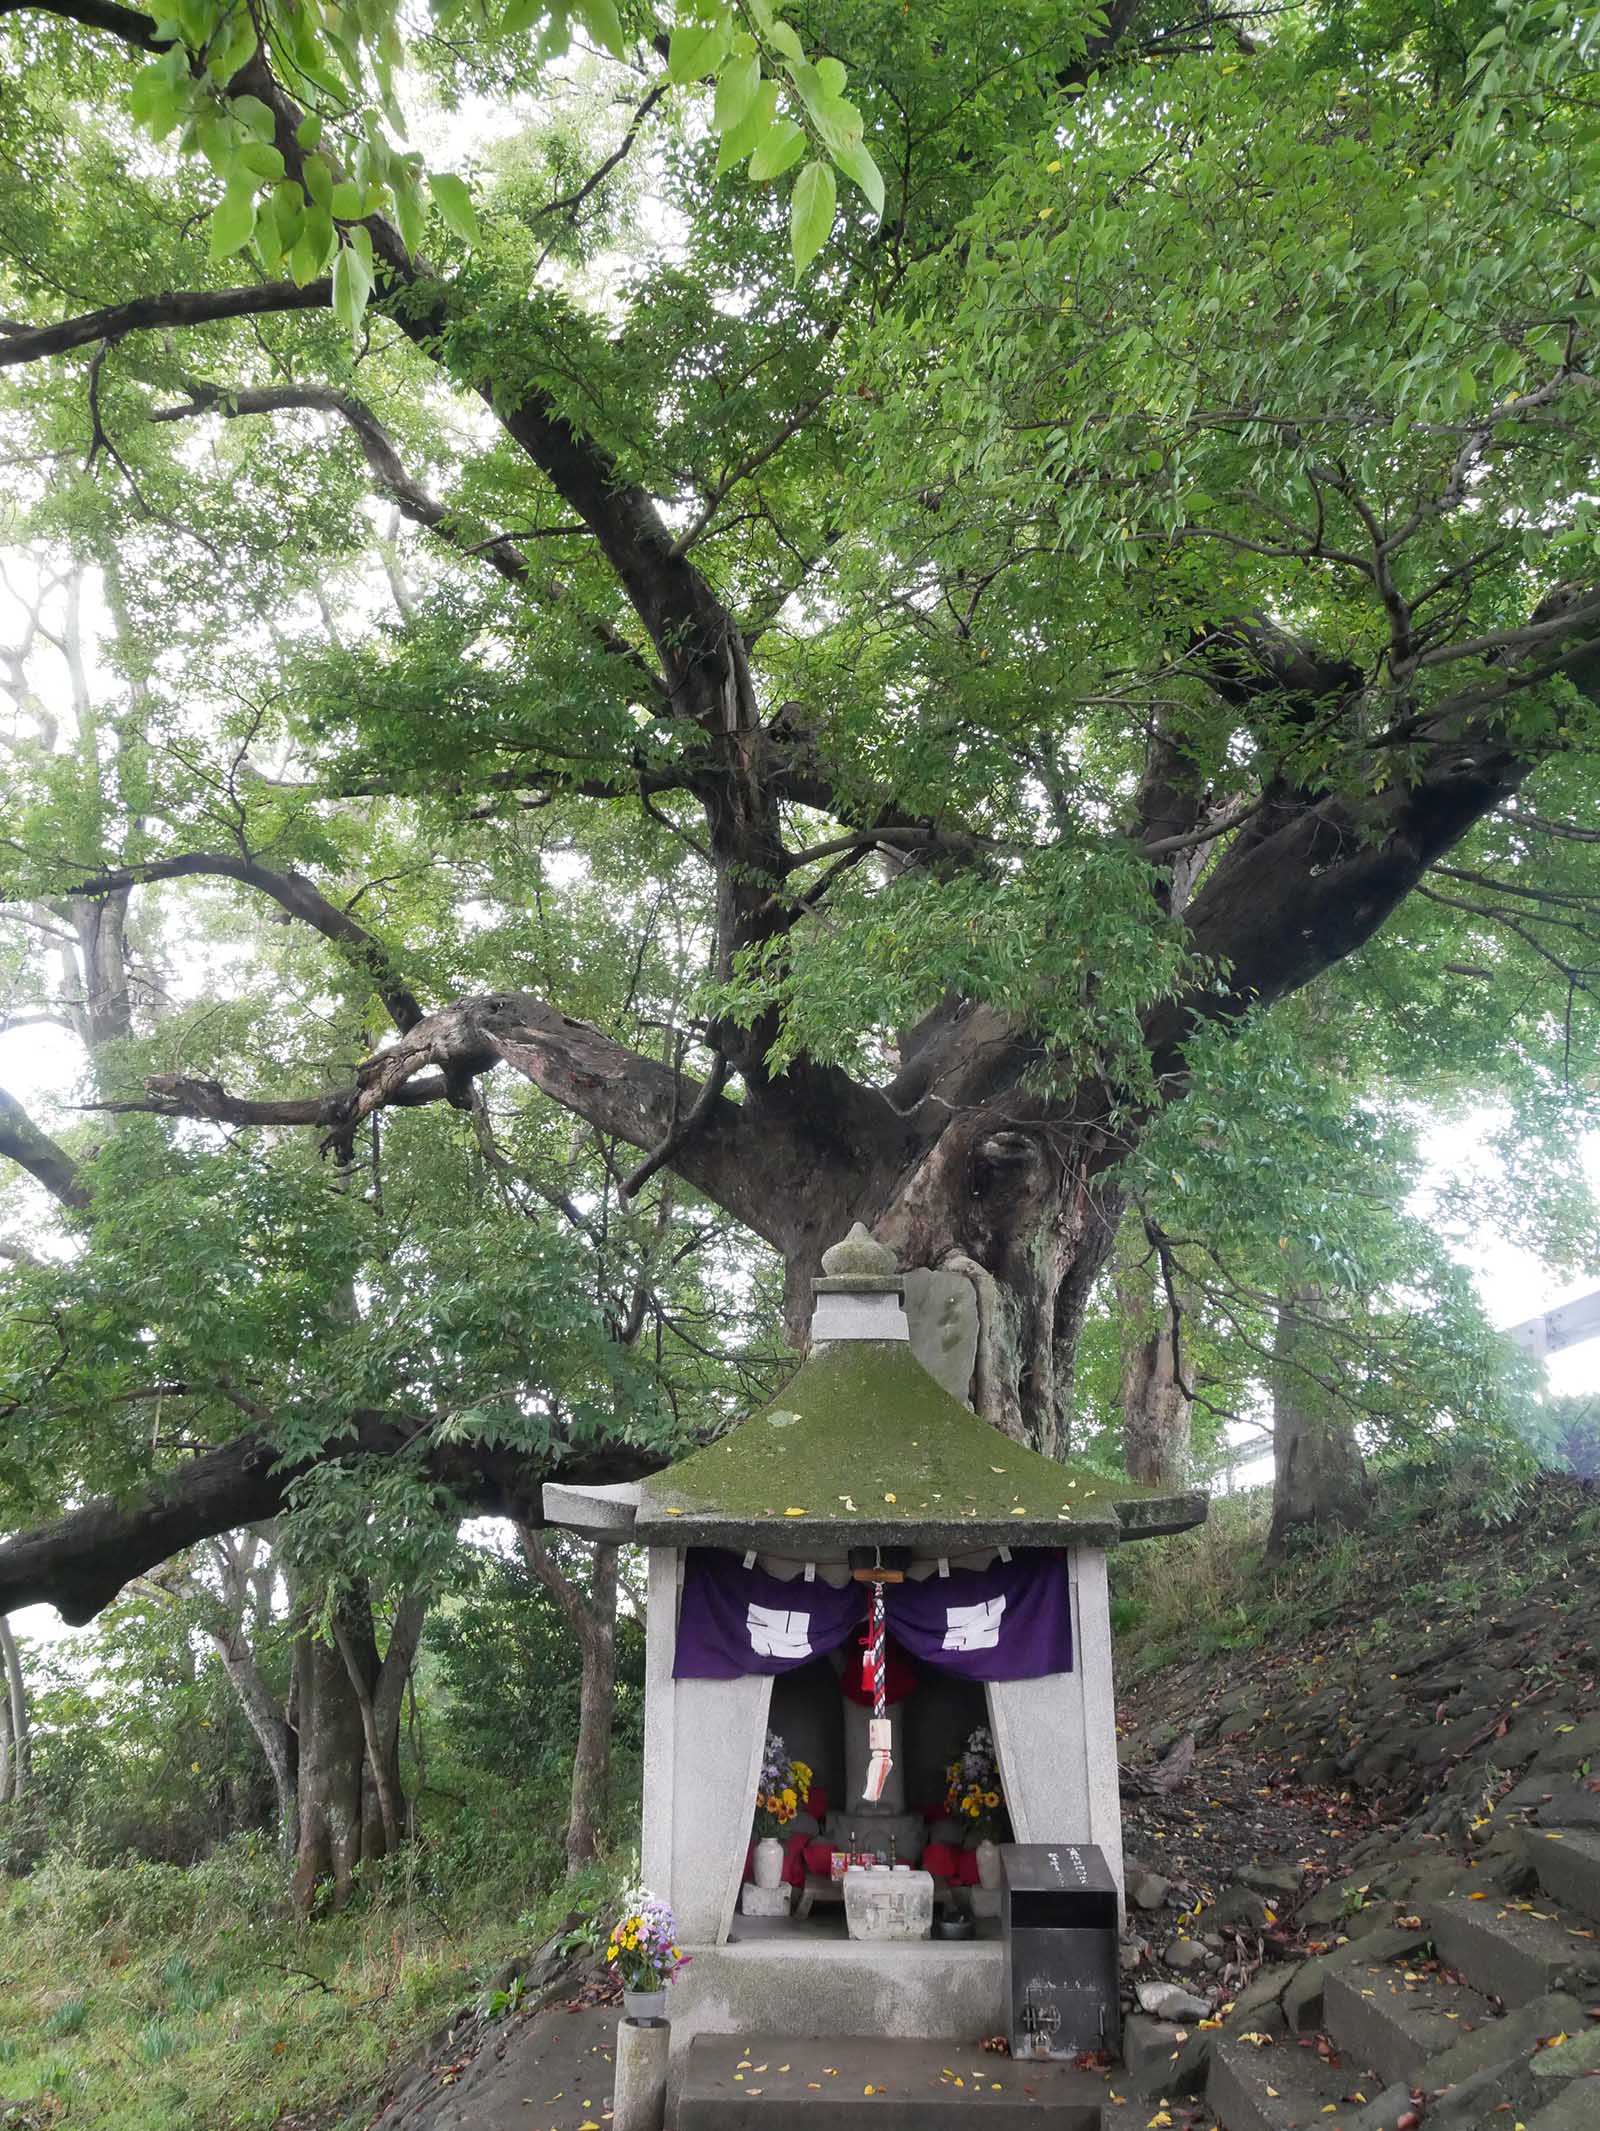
(1059, 1921)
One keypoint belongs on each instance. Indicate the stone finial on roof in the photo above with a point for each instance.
(859, 1252)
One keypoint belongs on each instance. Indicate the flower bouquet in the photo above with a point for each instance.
(972, 1795)
(781, 1789)
(644, 1951)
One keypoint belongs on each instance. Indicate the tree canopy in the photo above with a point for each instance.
(590, 705)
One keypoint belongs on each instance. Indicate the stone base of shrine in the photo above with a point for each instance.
(933, 1991)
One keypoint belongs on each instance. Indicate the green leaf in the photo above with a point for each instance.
(857, 163)
(810, 214)
(261, 161)
(831, 73)
(783, 39)
(256, 115)
(318, 179)
(737, 85)
(347, 201)
(454, 202)
(156, 100)
(408, 209)
(604, 24)
(781, 148)
(232, 221)
(309, 131)
(697, 48)
(310, 254)
(352, 285)
(747, 136)
(288, 213)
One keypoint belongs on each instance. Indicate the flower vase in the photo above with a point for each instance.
(644, 2004)
(988, 1856)
(769, 1862)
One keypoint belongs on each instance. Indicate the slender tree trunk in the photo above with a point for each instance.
(1155, 1406)
(381, 1773)
(1319, 1478)
(16, 1699)
(274, 1734)
(591, 1761)
(593, 1621)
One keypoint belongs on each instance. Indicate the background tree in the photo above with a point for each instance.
(1134, 572)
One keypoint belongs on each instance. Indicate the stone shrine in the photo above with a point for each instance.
(866, 1483)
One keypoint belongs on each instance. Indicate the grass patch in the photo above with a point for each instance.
(1210, 1591)
(148, 1997)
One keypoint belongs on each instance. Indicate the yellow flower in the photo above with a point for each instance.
(991, 1797)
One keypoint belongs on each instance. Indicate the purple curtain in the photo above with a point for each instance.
(737, 1620)
(1010, 1621)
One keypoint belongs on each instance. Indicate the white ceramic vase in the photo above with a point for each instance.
(988, 1856)
(769, 1862)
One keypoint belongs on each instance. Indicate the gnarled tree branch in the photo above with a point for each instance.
(55, 1169)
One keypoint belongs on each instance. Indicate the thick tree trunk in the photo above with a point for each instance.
(1319, 1479)
(346, 1705)
(1027, 1213)
(332, 1757)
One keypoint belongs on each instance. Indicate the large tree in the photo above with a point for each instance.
(1142, 557)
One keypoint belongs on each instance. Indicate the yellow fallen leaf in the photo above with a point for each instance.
(1019, 1513)
(794, 1513)
(888, 1498)
(1161, 2117)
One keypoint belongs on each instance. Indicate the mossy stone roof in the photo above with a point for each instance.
(863, 1447)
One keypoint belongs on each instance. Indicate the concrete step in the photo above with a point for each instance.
(1512, 1950)
(1575, 2108)
(1504, 2042)
(1567, 1861)
(853, 2082)
(1289, 2087)
(1395, 2017)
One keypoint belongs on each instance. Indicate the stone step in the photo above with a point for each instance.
(1567, 1861)
(1512, 1950)
(852, 2082)
(1288, 2087)
(1394, 2017)
(1503, 2042)
(1575, 2108)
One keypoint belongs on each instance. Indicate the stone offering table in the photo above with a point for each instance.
(889, 1905)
